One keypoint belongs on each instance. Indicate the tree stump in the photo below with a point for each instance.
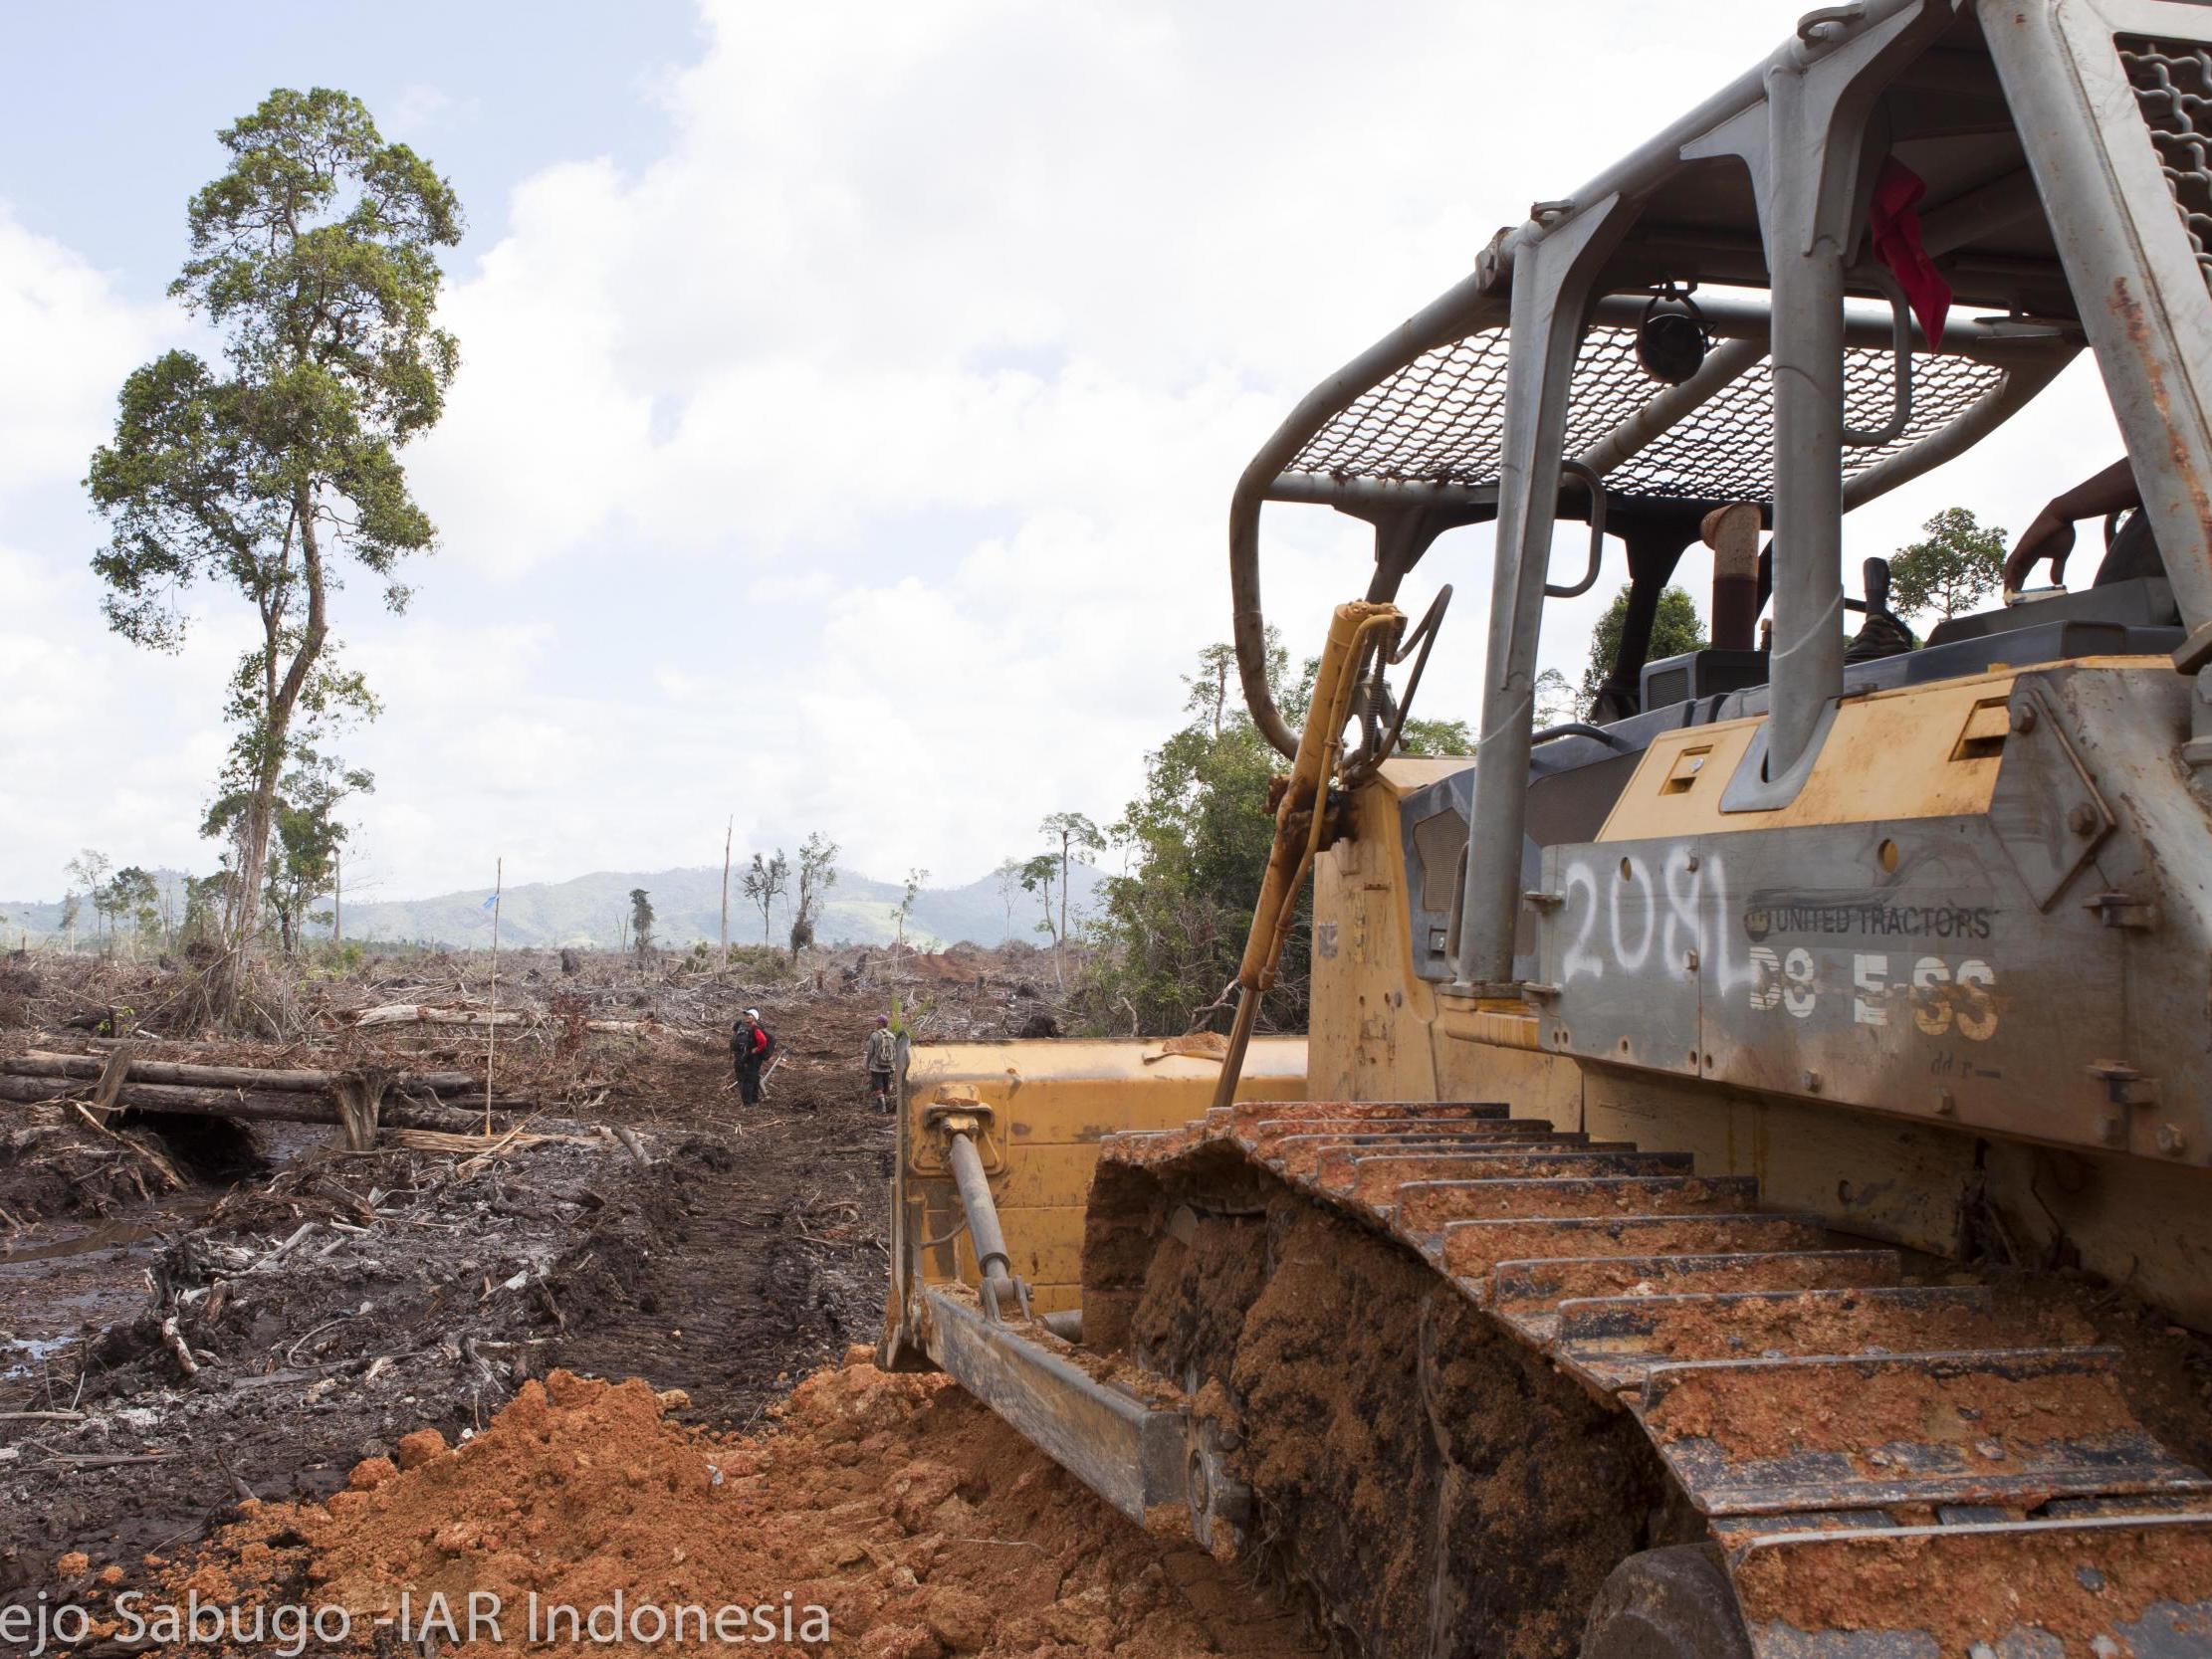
(361, 1101)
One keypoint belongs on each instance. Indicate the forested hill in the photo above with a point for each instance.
(687, 905)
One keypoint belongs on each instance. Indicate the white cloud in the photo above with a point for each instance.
(800, 319)
(66, 340)
(862, 461)
(95, 751)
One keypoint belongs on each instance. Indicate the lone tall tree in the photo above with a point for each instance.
(88, 868)
(915, 879)
(818, 874)
(314, 256)
(1010, 883)
(1079, 837)
(1957, 561)
(769, 880)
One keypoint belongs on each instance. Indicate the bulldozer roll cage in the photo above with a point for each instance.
(2067, 195)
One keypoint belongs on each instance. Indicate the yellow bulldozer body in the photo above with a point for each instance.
(1913, 1166)
(1046, 1102)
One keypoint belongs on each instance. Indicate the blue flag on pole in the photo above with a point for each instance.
(489, 902)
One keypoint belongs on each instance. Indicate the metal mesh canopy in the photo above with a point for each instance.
(2173, 86)
(1441, 419)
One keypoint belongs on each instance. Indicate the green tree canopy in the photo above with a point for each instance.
(1040, 874)
(135, 896)
(818, 874)
(1957, 562)
(768, 879)
(315, 256)
(1674, 629)
(1555, 698)
(89, 870)
(1170, 931)
(1070, 838)
(302, 865)
(915, 879)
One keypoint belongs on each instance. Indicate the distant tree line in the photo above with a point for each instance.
(1196, 839)
(766, 881)
(1170, 929)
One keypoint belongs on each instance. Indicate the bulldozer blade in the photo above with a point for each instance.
(1129, 1451)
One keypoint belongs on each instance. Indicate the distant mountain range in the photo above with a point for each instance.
(590, 911)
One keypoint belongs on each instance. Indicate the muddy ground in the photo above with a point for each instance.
(332, 1302)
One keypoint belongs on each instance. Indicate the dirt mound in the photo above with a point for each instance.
(918, 1523)
(54, 1163)
(194, 1350)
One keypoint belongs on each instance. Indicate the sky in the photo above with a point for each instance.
(850, 397)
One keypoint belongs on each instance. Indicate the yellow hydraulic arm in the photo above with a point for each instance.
(1357, 628)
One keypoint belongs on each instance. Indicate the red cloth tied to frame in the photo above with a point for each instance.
(1895, 226)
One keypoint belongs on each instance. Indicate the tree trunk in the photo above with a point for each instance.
(1059, 943)
(409, 1013)
(88, 1067)
(259, 1105)
(253, 855)
(281, 696)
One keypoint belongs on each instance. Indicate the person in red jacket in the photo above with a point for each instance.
(751, 1044)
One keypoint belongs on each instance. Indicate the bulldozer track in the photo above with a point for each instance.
(1883, 1468)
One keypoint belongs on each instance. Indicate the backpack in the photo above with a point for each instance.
(738, 1045)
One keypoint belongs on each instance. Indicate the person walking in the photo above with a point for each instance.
(751, 1045)
(881, 1057)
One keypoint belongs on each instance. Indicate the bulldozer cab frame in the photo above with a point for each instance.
(2068, 202)
(1628, 1038)
(1821, 885)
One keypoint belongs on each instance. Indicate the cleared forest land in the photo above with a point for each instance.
(255, 1361)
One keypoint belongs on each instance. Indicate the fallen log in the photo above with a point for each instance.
(88, 1066)
(411, 1014)
(414, 1013)
(262, 1106)
(437, 1141)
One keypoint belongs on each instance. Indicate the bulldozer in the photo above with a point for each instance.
(1743, 1189)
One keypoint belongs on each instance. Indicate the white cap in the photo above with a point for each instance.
(753, 1013)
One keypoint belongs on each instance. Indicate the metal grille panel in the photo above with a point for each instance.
(2173, 87)
(1441, 419)
(1437, 420)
